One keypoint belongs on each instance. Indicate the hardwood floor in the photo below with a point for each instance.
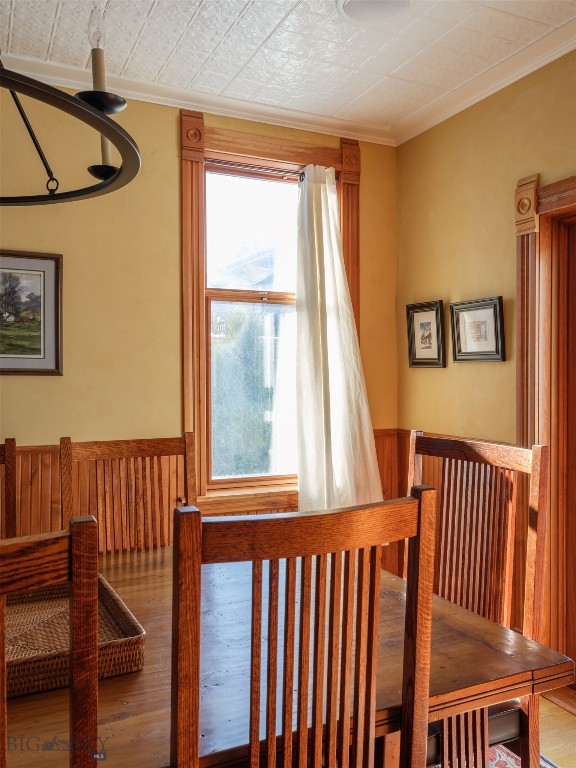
(557, 734)
(135, 709)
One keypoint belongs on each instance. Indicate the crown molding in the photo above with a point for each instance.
(74, 79)
(549, 48)
(526, 61)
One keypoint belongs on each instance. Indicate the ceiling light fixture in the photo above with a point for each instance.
(108, 103)
(90, 107)
(371, 11)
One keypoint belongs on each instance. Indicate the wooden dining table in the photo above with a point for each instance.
(474, 662)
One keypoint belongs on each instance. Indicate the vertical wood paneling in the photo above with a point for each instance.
(23, 492)
(388, 451)
(45, 504)
(37, 497)
(123, 516)
(133, 503)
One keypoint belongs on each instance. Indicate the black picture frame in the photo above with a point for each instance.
(478, 330)
(426, 334)
(30, 313)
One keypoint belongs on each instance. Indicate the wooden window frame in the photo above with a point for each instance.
(202, 146)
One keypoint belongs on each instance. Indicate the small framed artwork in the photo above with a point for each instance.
(426, 334)
(478, 329)
(30, 313)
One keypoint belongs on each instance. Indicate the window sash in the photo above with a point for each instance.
(235, 297)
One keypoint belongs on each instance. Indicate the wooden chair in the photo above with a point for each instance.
(53, 558)
(8, 459)
(130, 486)
(480, 486)
(335, 556)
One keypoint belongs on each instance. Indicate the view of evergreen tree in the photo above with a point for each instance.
(241, 433)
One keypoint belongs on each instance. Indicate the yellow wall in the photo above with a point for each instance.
(378, 337)
(121, 293)
(121, 267)
(456, 237)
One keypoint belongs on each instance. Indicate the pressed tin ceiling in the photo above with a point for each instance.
(295, 62)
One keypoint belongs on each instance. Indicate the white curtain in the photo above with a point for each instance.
(337, 464)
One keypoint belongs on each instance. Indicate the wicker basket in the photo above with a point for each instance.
(38, 638)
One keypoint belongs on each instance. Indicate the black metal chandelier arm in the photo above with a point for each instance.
(31, 133)
(92, 117)
(24, 116)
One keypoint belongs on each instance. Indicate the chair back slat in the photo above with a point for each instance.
(334, 622)
(130, 486)
(361, 642)
(43, 560)
(272, 661)
(475, 529)
(320, 660)
(314, 628)
(303, 659)
(346, 662)
(288, 680)
(255, 670)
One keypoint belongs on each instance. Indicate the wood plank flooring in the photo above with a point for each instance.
(557, 734)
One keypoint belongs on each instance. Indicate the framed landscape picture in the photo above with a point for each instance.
(426, 334)
(478, 330)
(30, 313)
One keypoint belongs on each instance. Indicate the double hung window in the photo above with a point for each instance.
(239, 198)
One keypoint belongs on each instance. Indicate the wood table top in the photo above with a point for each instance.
(474, 662)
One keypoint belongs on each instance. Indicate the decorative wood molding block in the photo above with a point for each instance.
(350, 173)
(192, 135)
(525, 202)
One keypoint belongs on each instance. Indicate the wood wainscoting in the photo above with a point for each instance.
(38, 498)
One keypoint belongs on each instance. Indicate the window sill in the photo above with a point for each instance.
(249, 500)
